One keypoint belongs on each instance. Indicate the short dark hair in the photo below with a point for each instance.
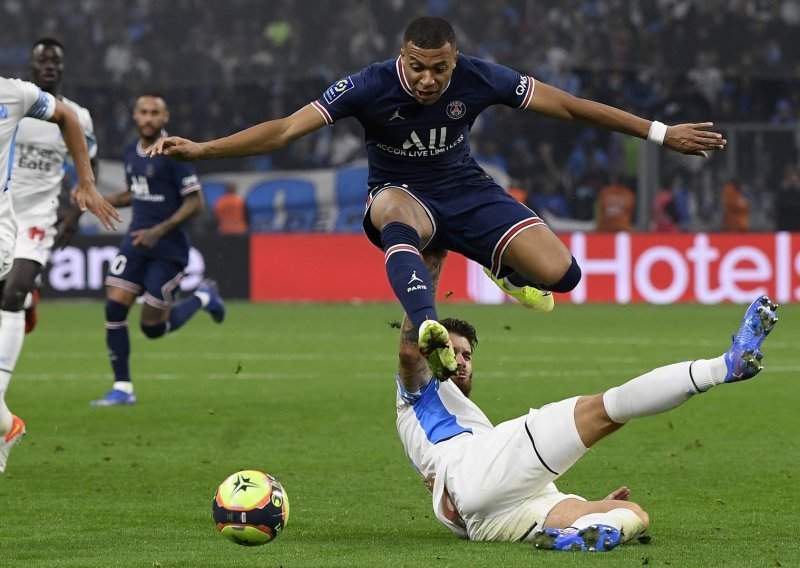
(48, 42)
(429, 32)
(154, 94)
(463, 328)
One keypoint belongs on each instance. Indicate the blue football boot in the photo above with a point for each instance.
(594, 538)
(743, 359)
(115, 397)
(215, 307)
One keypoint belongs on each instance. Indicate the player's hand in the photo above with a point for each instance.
(86, 196)
(176, 147)
(145, 237)
(694, 139)
(620, 494)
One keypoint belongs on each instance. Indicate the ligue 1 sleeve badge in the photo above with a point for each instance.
(456, 109)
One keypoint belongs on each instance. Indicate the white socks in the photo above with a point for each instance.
(124, 386)
(663, 389)
(622, 519)
(12, 335)
(204, 298)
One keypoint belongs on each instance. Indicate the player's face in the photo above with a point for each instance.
(428, 70)
(150, 115)
(463, 376)
(47, 67)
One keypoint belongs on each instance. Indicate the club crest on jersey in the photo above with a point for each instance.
(456, 110)
(339, 88)
(3, 111)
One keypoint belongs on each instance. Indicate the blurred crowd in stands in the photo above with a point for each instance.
(224, 65)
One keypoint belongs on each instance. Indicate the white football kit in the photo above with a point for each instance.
(488, 483)
(18, 99)
(40, 159)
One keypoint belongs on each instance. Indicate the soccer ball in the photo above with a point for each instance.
(250, 508)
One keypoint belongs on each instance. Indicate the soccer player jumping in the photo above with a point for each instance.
(425, 189)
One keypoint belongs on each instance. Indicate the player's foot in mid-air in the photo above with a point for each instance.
(31, 316)
(115, 397)
(528, 296)
(594, 538)
(215, 305)
(434, 344)
(10, 439)
(743, 359)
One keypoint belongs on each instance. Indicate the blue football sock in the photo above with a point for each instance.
(117, 340)
(407, 273)
(183, 312)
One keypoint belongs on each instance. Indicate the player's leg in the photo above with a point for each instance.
(206, 297)
(404, 226)
(124, 283)
(118, 304)
(540, 259)
(595, 417)
(484, 223)
(19, 281)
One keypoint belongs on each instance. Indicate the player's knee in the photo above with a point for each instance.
(13, 299)
(641, 513)
(154, 331)
(116, 312)
(570, 279)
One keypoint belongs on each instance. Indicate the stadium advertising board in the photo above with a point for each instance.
(617, 268)
(78, 270)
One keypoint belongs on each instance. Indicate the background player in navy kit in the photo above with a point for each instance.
(425, 188)
(164, 194)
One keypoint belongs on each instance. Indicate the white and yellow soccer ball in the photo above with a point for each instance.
(250, 508)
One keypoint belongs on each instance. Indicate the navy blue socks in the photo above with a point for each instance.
(407, 273)
(117, 340)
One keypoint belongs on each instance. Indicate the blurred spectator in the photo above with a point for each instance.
(664, 212)
(735, 208)
(787, 201)
(585, 151)
(518, 192)
(784, 112)
(231, 212)
(548, 199)
(615, 207)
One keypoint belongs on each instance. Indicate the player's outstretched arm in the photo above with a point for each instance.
(85, 194)
(691, 138)
(413, 369)
(259, 139)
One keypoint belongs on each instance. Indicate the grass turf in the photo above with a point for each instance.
(306, 393)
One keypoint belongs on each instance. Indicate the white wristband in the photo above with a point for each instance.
(657, 132)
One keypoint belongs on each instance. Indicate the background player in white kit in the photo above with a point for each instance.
(496, 482)
(40, 157)
(20, 99)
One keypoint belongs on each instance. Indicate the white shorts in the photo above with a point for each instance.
(501, 481)
(7, 245)
(35, 238)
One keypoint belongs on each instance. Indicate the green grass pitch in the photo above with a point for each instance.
(306, 393)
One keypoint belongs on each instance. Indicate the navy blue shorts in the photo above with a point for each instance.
(475, 218)
(138, 270)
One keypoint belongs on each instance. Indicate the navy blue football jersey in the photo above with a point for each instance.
(157, 187)
(417, 144)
